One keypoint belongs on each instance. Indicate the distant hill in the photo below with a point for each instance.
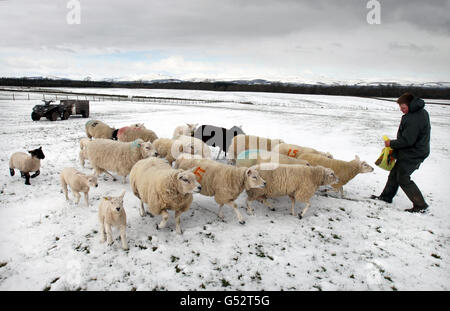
(431, 90)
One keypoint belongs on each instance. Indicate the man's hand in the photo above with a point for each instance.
(387, 143)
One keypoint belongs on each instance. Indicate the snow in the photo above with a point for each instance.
(48, 243)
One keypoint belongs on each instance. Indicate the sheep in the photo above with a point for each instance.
(295, 151)
(111, 213)
(106, 155)
(78, 182)
(246, 142)
(163, 188)
(215, 136)
(83, 150)
(168, 148)
(99, 129)
(26, 163)
(252, 157)
(222, 181)
(197, 146)
(299, 182)
(345, 170)
(187, 130)
(131, 133)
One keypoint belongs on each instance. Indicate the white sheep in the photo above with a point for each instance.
(243, 142)
(163, 188)
(26, 163)
(295, 151)
(106, 155)
(187, 130)
(170, 149)
(131, 133)
(299, 182)
(222, 181)
(99, 129)
(78, 182)
(252, 157)
(112, 214)
(195, 145)
(344, 170)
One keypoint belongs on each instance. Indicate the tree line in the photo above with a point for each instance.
(382, 90)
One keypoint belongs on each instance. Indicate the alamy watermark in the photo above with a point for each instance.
(374, 15)
(73, 17)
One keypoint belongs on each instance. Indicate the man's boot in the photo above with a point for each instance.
(413, 193)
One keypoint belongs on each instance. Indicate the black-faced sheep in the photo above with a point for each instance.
(107, 155)
(112, 214)
(299, 182)
(163, 188)
(345, 170)
(27, 163)
(215, 136)
(222, 181)
(78, 182)
(247, 142)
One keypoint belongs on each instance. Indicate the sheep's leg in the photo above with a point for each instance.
(142, 210)
(307, 205)
(102, 231)
(11, 171)
(177, 222)
(123, 237)
(36, 174)
(292, 206)
(64, 188)
(221, 212)
(86, 198)
(341, 192)
(27, 178)
(269, 206)
(81, 158)
(77, 196)
(109, 239)
(165, 217)
(238, 214)
(249, 207)
(124, 179)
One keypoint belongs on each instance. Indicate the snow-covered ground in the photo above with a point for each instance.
(47, 243)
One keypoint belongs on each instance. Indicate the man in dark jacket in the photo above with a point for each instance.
(410, 149)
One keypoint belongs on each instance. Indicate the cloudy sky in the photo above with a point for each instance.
(284, 40)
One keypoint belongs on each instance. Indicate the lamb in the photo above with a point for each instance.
(246, 142)
(99, 129)
(26, 163)
(295, 151)
(163, 188)
(131, 133)
(252, 157)
(215, 136)
(78, 182)
(222, 181)
(106, 155)
(197, 146)
(299, 182)
(345, 170)
(187, 130)
(112, 214)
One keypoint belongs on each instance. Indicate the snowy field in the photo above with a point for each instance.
(49, 244)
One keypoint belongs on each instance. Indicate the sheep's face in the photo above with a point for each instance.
(187, 182)
(138, 125)
(92, 181)
(37, 153)
(115, 203)
(148, 150)
(329, 177)
(365, 168)
(254, 180)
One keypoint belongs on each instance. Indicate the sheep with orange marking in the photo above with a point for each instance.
(295, 151)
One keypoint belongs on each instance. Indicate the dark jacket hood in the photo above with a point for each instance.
(416, 104)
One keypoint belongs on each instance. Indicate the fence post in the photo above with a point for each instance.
(13, 96)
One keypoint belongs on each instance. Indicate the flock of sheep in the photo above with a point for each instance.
(164, 173)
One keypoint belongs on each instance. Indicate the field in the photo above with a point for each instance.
(341, 244)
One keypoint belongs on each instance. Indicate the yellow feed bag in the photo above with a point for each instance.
(386, 161)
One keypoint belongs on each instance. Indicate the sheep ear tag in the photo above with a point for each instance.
(107, 198)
